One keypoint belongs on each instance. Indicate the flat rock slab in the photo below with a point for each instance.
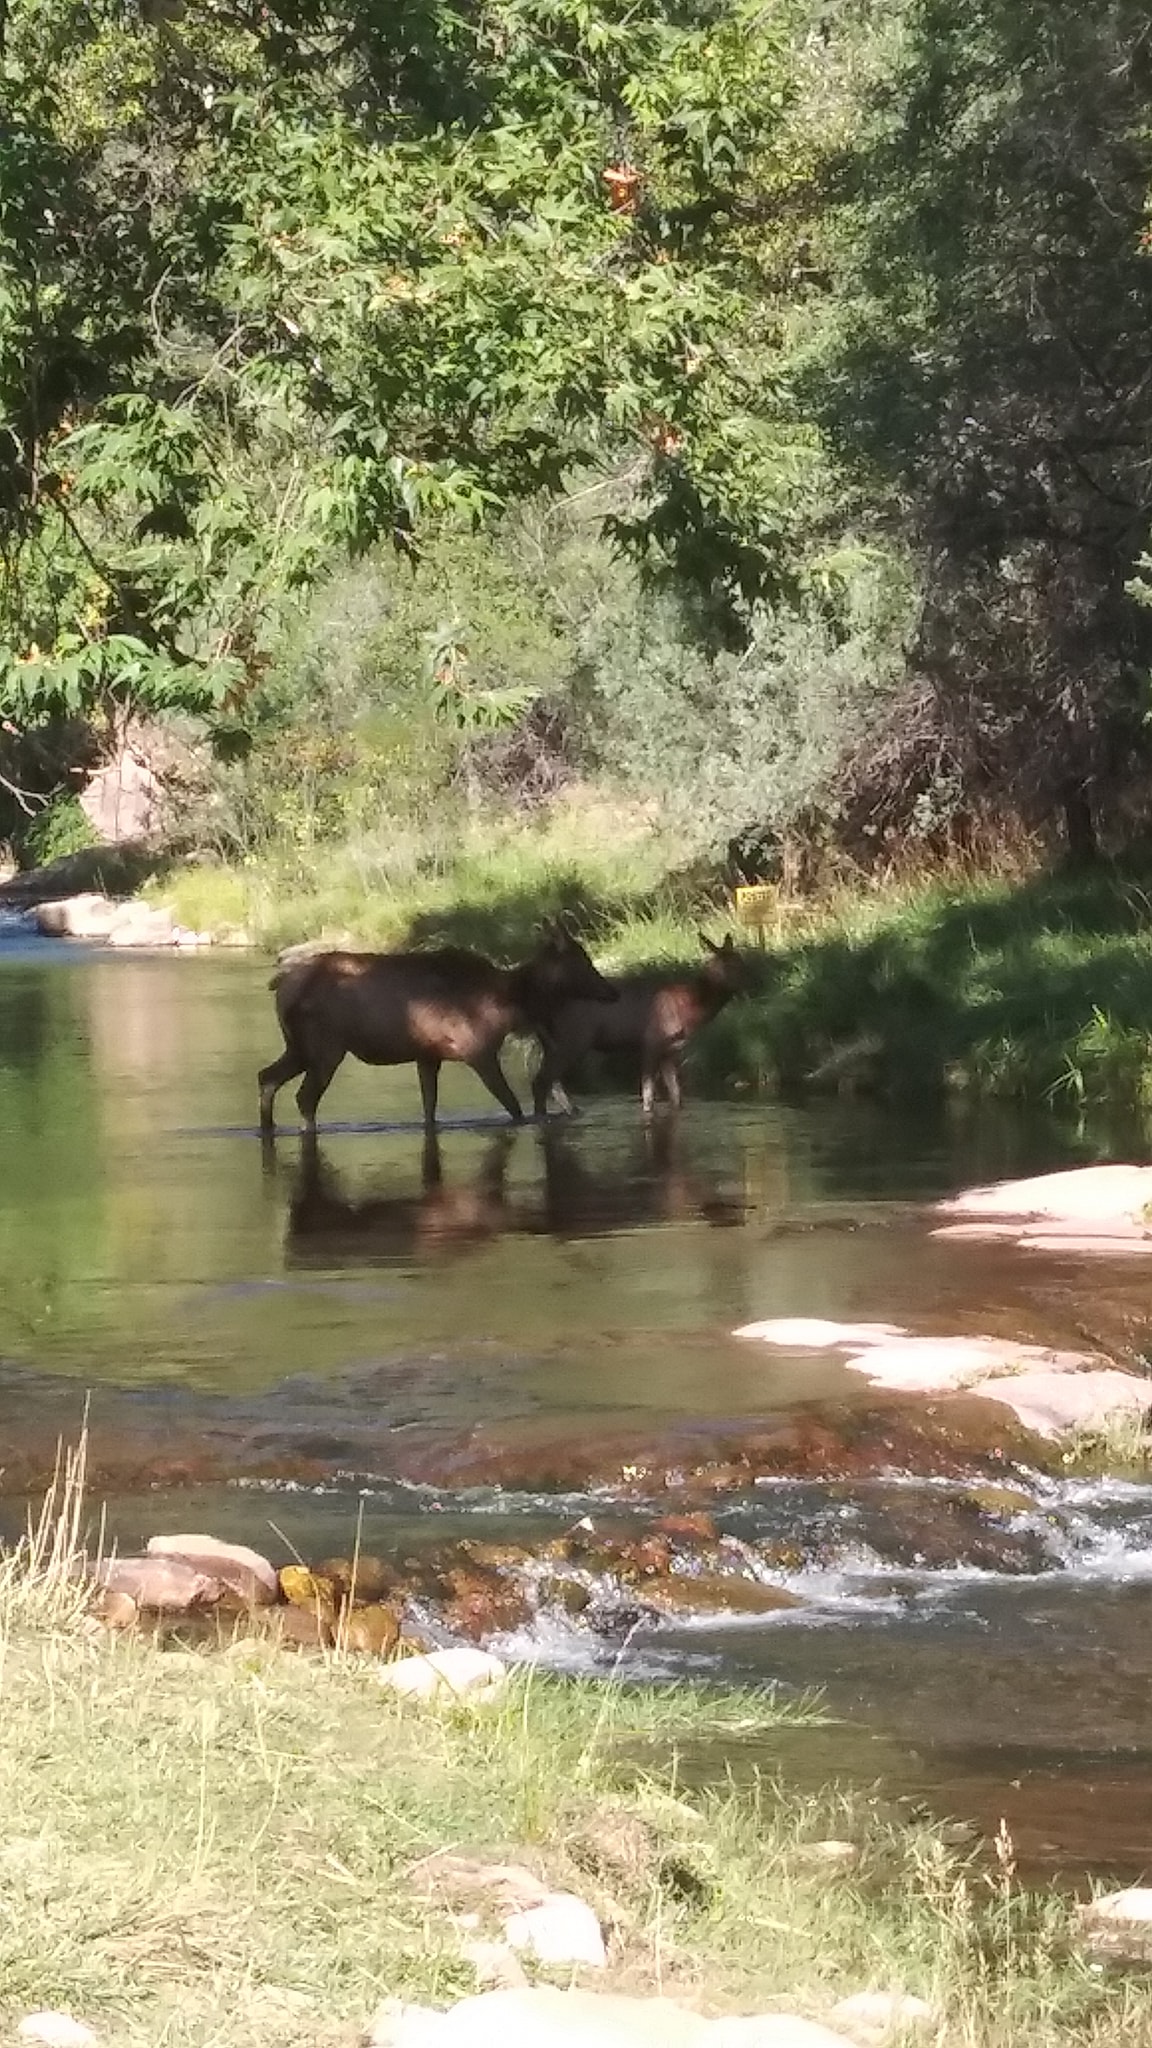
(1093, 1209)
(545, 2018)
(1051, 1392)
(245, 1571)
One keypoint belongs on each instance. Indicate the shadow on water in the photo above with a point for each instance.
(652, 1184)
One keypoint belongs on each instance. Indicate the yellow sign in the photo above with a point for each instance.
(756, 904)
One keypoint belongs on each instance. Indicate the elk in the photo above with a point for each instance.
(389, 1008)
(655, 1017)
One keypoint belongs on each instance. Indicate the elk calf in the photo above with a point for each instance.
(389, 1008)
(654, 1017)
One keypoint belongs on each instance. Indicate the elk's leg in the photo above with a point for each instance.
(487, 1067)
(648, 1082)
(270, 1079)
(429, 1072)
(670, 1075)
(547, 1084)
(316, 1082)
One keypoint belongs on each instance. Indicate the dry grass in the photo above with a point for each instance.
(204, 1846)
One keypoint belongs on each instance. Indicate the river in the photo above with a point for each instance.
(284, 1352)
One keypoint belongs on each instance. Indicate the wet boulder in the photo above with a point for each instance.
(302, 1588)
(354, 1579)
(371, 1631)
(245, 1572)
(719, 1594)
(484, 1603)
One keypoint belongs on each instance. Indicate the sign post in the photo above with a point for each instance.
(755, 906)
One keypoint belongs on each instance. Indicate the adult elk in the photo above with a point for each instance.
(655, 1017)
(389, 1008)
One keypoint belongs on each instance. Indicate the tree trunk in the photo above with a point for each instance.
(1080, 825)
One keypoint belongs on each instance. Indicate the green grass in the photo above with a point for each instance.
(1036, 986)
(218, 1845)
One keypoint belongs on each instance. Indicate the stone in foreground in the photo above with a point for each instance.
(161, 1585)
(1119, 1925)
(245, 1571)
(546, 2018)
(442, 1675)
(561, 1929)
(56, 2030)
(874, 2015)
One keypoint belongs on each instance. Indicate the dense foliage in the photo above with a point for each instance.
(748, 406)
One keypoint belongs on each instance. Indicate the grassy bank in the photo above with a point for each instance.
(1036, 985)
(206, 1846)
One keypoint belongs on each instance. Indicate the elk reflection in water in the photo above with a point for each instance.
(576, 1195)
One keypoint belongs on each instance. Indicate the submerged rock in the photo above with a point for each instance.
(248, 1575)
(562, 1929)
(717, 1594)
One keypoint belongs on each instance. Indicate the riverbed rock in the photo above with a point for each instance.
(484, 1603)
(874, 2016)
(245, 1571)
(719, 1594)
(161, 1585)
(56, 2030)
(371, 1631)
(89, 916)
(816, 1333)
(562, 1929)
(297, 1628)
(548, 2018)
(364, 1578)
(302, 1588)
(1055, 1404)
(1095, 1210)
(142, 924)
(444, 1675)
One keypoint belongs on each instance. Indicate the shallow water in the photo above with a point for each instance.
(301, 1346)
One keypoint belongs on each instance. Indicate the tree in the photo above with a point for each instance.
(277, 279)
(985, 361)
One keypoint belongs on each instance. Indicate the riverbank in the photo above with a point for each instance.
(1031, 985)
(231, 1844)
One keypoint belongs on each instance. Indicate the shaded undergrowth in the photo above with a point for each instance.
(1037, 987)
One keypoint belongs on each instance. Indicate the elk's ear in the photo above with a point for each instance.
(729, 945)
(708, 944)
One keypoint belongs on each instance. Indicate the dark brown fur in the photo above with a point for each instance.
(389, 1008)
(654, 1017)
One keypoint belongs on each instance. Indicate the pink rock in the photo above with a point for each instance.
(162, 1585)
(936, 1365)
(1085, 1194)
(242, 1570)
(1053, 1403)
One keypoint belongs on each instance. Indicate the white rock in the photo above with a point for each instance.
(142, 924)
(813, 1333)
(562, 1929)
(1053, 1403)
(547, 2018)
(442, 1674)
(1131, 1908)
(830, 1854)
(1084, 1194)
(871, 2015)
(56, 2030)
(89, 916)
